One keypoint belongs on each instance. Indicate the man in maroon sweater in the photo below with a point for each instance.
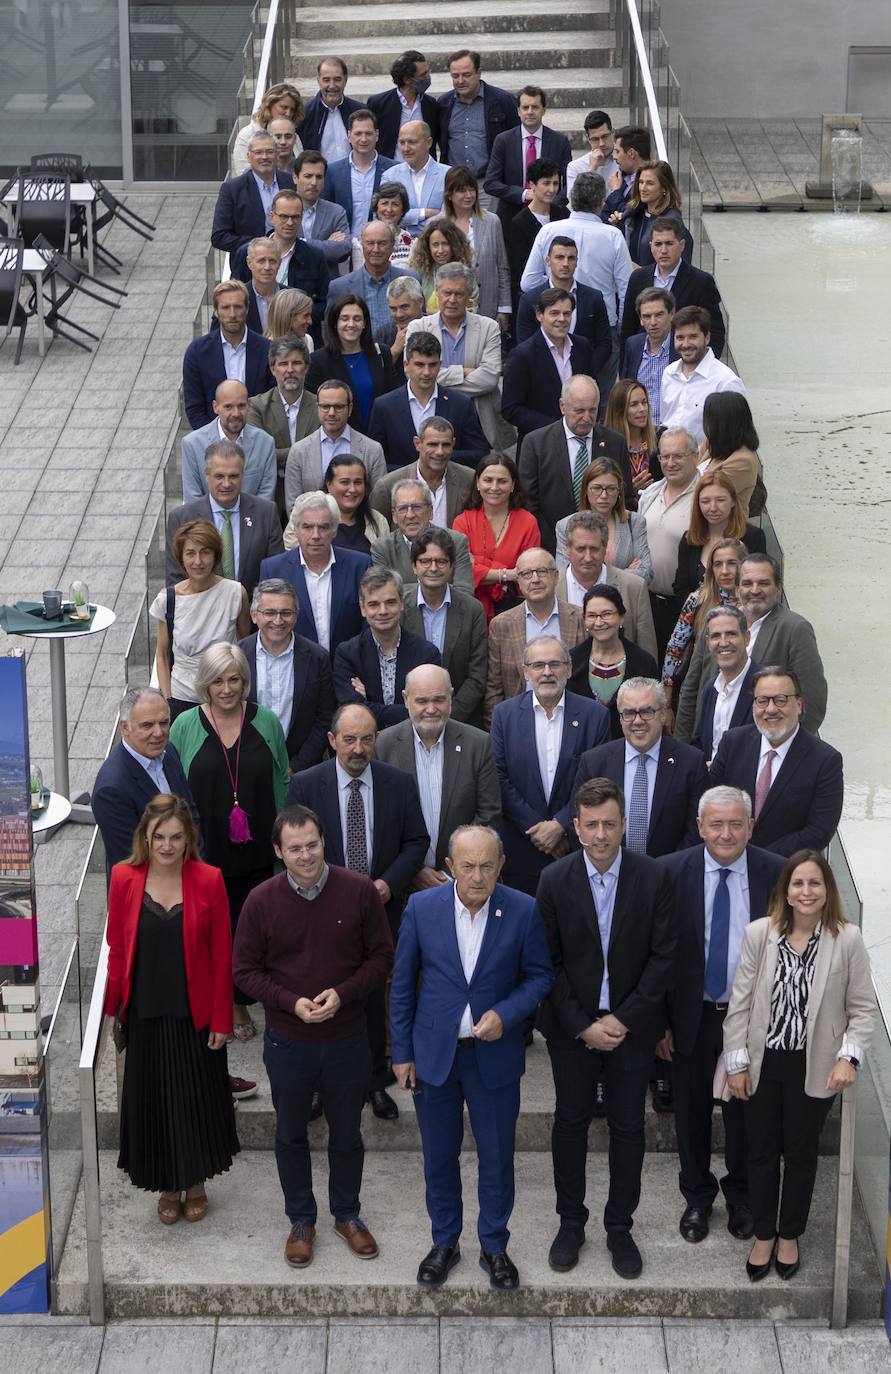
(312, 943)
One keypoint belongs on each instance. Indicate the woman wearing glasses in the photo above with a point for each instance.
(498, 529)
(602, 491)
(603, 661)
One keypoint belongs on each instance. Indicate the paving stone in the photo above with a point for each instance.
(600, 1347)
(134, 1349)
(704, 1346)
(55, 1349)
(858, 1349)
(359, 1347)
(497, 1343)
(300, 1346)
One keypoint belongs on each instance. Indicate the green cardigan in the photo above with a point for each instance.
(187, 735)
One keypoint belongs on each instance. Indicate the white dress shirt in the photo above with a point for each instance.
(470, 931)
(440, 515)
(755, 630)
(428, 767)
(683, 397)
(575, 592)
(292, 411)
(727, 695)
(343, 795)
(421, 413)
(738, 888)
(548, 738)
(572, 447)
(334, 142)
(235, 358)
(318, 587)
(562, 361)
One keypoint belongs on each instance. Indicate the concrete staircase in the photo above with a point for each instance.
(567, 50)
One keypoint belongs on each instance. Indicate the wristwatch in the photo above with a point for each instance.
(851, 1060)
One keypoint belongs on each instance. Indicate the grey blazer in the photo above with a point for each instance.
(631, 543)
(465, 650)
(260, 536)
(841, 1004)
(470, 791)
(304, 469)
(638, 623)
(458, 480)
(259, 461)
(267, 412)
(492, 267)
(331, 219)
(391, 551)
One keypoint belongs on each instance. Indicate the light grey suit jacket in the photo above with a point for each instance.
(267, 412)
(458, 480)
(465, 650)
(259, 461)
(841, 1004)
(331, 219)
(638, 623)
(492, 267)
(482, 352)
(304, 469)
(391, 551)
(471, 794)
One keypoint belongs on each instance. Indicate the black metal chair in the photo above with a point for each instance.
(74, 278)
(12, 312)
(62, 164)
(43, 209)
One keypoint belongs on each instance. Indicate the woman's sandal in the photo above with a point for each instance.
(244, 1030)
(195, 1208)
(169, 1208)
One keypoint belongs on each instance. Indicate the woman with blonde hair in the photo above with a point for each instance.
(798, 1025)
(715, 514)
(718, 588)
(483, 231)
(628, 413)
(170, 992)
(290, 316)
(281, 101)
(603, 491)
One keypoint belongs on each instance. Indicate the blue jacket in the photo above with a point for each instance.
(431, 191)
(122, 791)
(499, 113)
(307, 271)
(429, 991)
(531, 386)
(204, 368)
(391, 424)
(339, 187)
(346, 618)
(591, 321)
(239, 216)
(359, 658)
(315, 112)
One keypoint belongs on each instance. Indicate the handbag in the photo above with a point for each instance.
(119, 1031)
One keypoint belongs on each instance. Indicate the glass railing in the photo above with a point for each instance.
(61, 1055)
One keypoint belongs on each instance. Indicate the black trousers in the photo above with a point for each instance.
(376, 1020)
(782, 1121)
(693, 1103)
(665, 615)
(627, 1073)
(238, 889)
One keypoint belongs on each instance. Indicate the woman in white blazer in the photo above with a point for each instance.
(799, 1021)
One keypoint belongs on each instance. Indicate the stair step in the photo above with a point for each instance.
(231, 1264)
(351, 20)
(590, 87)
(506, 57)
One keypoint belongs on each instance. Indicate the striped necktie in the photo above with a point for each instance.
(228, 559)
(578, 469)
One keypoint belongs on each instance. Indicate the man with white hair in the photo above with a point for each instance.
(720, 886)
(405, 299)
(370, 281)
(666, 508)
(244, 202)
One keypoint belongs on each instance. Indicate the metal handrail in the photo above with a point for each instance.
(90, 1059)
(647, 79)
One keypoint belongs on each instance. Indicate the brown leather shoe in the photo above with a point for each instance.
(299, 1245)
(358, 1238)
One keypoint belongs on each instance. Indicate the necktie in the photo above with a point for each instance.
(719, 941)
(636, 833)
(228, 559)
(578, 469)
(530, 153)
(356, 843)
(762, 786)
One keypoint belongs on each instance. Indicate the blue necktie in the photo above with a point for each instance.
(719, 942)
(636, 830)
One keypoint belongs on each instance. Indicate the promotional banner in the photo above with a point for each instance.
(24, 1173)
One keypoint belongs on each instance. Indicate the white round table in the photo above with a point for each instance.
(56, 812)
(103, 618)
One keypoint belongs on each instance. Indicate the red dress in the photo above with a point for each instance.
(522, 533)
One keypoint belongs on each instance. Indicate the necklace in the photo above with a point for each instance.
(239, 825)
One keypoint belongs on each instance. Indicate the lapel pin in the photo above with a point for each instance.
(498, 911)
(457, 749)
(575, 724)
(670, 759)
(249, 522)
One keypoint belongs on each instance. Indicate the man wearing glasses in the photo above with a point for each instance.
(300, 265)
(412, 513)
(308, 459)
(289, 674)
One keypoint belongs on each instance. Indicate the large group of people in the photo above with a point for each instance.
(479, 710)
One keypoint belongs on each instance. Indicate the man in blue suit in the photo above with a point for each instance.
(472, 964)
(727, 700)
(515, 150)
(373, 823)
(416, 157)
(325, 579)
(361, 664)
(719, 886)
(589, 319)
(352, 181)
(537, 740)
(244, 202)
(396, 418)
(140, 766)
(536, 370)
(472, 114)
(231, 351)
(406, 101)
(230, 406)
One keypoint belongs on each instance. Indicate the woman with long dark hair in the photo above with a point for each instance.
(351, 355)
(731, 444)
(461, 206)
(654, 196)
(498, 529)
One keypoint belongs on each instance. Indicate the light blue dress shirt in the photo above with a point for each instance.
(275, 681)
(267, 195)
(362, 187)
(652, 758)
(603, 891)
(467, 135)
(216, 511)
(154, 767)
(235, 358)
(738, 887)
(343, 795)
(428, 766)
(435, 621)
(453, 345)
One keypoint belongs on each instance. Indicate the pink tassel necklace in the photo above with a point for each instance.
(239, 825)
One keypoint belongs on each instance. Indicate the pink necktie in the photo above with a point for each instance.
(762, 786)
(530, 153)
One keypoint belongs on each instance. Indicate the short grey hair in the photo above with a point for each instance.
(591, 521)
(436, 422)
(374, 579)
(642, 684)
(405, 286)
(462, 830)
(733, 611)
(133, 696)
(422, 487)
(258, 136)
(456, 269)
(567, 386)
(262, 242)
(588, 193)
(333, 382)
(546, 639)
(212, 665)
(223, 448)
(692, 445)
(274, 586)
(377, 223)
(724, 796)
(280, 348)
(315, 500)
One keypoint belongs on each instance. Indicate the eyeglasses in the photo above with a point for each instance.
(333, 405)
(592, 617)
(277, 615)
(537, 572)
(281, 214)
(780, 699)
(411, 508)
(645, 713)
(552, 664)
(297, 850)
(602, 491)
(434, 562)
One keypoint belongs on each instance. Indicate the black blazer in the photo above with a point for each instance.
(687, 870)
(638, 227)
(638, 663)
(520, 231)
(315, 112)
(741, 714)
(691, 286)
(506, 172)
(312, 704)
(640, 957)
(545, 473)
(307, 271)
(591, 320)
(633, 353)
(681, 780)
(359, 658)
(238, 215)
(690, 570)
(388, 108)
(400, 836)
(391, 424)
(122, 791)
(499, 113)
(530, 390)
(804, 804)
(328, 366)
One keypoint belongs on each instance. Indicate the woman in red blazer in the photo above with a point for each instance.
(170, 984)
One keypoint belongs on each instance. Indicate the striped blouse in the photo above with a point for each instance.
(791, 990)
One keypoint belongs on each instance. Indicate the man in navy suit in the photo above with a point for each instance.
(719, 886)
(472, 114)
(396, 418)
(795, 780)
(688, 285)
(140, 766)
(325, 116)
(231, 351)
(372, 667)
(289, 674)
(661, 778)
(352, 181)
(472, 964)
(728, 696)
(244, 202)
(632, 146)
(589, 319)
(373, 823)
(647, 355)
(537, 740)
(536, 370)
(514, 151)
(306, 268)
(325, 579)
(407, 101)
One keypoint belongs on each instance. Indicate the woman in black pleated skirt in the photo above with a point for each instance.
(170, 984)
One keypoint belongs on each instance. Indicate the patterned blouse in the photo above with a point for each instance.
(683, 633)
(791, 990)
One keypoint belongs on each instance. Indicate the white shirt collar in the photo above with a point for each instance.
(461, 909)
(612, 871)
(329, 564)
(781, 750)
(344, 778)
(555, 713)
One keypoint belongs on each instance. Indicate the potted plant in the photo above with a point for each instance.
(36, 788)
(80, 601)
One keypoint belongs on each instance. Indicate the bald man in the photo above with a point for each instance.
(230, 408)
(422, 177)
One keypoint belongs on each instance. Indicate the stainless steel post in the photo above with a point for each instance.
(59, 693)
(844, 1208)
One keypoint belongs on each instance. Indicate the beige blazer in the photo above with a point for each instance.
(482, 352)
(841, 1005)
(638, 623)
(507, 644)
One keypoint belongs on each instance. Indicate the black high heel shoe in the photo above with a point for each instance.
(788, 1271)
(756, 1272)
